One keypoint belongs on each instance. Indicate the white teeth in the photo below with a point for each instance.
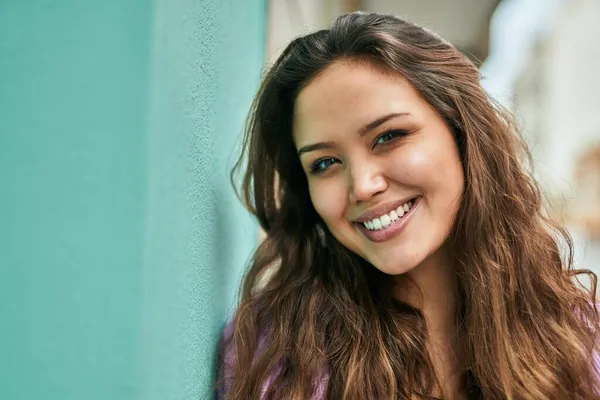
(400, 211)
(385, 220)
(376, 223)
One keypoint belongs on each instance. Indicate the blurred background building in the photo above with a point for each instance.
(557, 103)
(465, 23)
(121, 241)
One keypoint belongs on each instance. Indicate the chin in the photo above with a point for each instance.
(393, 267)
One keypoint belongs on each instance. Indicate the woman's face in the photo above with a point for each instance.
(383, 169)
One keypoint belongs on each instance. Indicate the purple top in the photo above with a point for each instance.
(227, 366)
(321, 384)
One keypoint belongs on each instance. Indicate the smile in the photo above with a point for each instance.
(388, 219)
(390, 224)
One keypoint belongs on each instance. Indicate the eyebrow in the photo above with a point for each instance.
(316, 146)
(378, 122)
(362, 132)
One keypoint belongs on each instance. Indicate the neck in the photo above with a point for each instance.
(432, 288)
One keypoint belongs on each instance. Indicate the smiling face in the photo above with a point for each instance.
(383, 168)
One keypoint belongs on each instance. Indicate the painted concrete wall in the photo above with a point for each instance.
(207, 59)
(120, 241)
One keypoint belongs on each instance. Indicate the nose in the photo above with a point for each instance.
(366, 181)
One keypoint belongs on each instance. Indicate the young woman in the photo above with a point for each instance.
(407, 253)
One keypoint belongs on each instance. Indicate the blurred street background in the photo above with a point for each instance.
(121, 241)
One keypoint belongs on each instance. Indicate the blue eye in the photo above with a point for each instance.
(322, 164)
(390, 135)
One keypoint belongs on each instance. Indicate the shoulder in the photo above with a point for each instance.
(225, 361)
(227, 358)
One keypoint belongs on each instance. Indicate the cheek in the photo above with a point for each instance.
(444, 183)
(415, 166)
(432, 166)
(329, 198)
(450, 174)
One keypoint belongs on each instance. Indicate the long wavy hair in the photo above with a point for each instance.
(315, 316)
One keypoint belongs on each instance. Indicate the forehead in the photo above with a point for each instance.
(346, 96)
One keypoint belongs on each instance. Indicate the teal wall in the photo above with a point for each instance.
(207, 60)
(121, 243)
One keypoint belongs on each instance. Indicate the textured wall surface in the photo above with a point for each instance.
(120, 241)
(207, 59)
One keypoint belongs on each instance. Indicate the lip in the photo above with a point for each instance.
(394, 229)
(382, 209)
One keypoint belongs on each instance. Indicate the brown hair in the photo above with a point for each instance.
(311, 313)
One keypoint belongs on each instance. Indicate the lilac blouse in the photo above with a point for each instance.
(321, 385)
(226, 367)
